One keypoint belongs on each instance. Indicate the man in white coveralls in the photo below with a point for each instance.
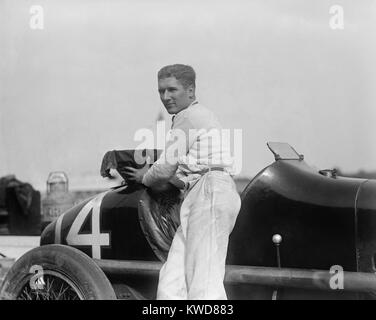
(195, 266)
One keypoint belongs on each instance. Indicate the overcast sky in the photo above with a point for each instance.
(86, 82)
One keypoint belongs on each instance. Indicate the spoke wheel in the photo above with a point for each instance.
(56, 272)
(50, 286)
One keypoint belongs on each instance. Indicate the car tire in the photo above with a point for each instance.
(56, 272)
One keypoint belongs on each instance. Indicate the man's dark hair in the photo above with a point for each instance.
(184, 73)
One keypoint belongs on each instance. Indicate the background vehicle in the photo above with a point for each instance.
(301, 233)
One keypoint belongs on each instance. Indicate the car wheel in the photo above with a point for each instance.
(56, 272)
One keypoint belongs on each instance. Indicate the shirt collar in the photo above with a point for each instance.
(194, 102)
(180, 113)
(184, 110)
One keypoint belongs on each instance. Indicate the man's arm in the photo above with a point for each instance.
(181, 139)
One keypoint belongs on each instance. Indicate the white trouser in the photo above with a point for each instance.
(195, 266)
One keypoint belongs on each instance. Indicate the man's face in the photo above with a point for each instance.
(173, 94)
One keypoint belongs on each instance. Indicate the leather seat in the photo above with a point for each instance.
(159, 218)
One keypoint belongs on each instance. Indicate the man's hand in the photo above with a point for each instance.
(134, 174)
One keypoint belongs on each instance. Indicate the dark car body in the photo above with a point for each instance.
(324, 220)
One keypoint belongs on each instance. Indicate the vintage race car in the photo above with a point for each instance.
(302, 233)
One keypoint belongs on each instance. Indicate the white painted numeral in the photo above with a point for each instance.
(96, 239)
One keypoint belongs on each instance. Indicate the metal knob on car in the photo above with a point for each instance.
(277, 240)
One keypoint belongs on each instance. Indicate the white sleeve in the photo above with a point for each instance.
(181, 139)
